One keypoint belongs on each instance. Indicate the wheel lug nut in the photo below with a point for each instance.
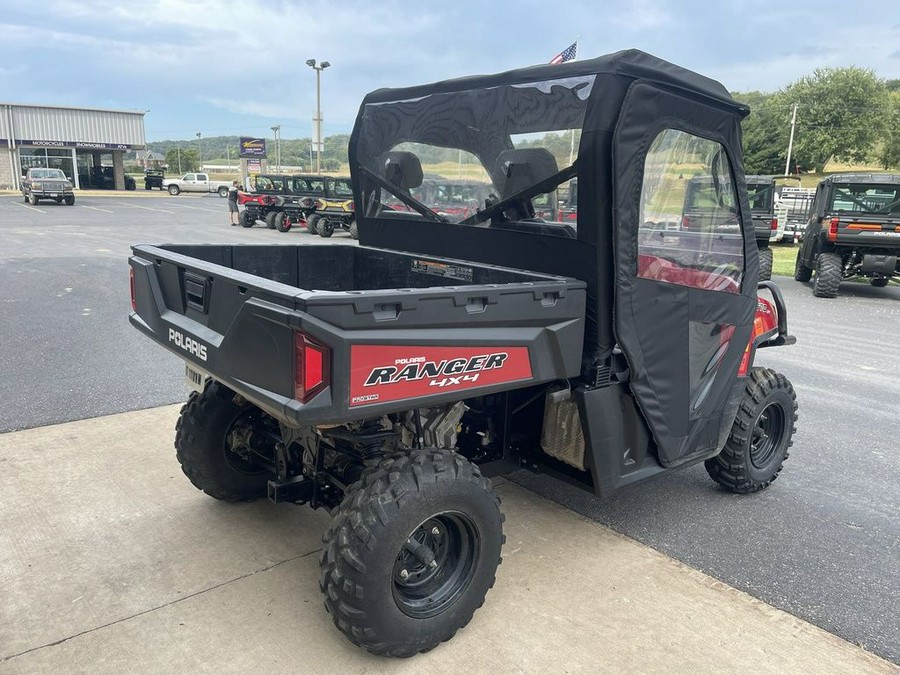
(433, 564)
(435, 531)
(404, 574)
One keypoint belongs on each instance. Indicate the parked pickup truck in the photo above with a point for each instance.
(195, 182)
(387, 381)
(39, 183)
(853, 231)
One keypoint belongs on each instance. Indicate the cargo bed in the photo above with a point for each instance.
(242, 314)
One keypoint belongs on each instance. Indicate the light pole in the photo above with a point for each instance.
(322, 65)
(199, 152)
(275, 130)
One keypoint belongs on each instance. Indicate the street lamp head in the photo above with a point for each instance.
(324, 64)
(198, 134)
(311, 63)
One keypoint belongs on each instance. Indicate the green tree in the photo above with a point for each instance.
(182, 160)
(840, 115)
(764, 133)
(889, 155)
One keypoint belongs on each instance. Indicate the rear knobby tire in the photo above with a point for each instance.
(761, 434)
(828, 275)
(765, 264)
(802, 273)
(325, 227)
(379, 593)
(246, 219)
(282, 222)
(354, 231)
(210, 443)
(312, 224)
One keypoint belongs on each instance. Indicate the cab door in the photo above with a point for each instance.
(686, 266)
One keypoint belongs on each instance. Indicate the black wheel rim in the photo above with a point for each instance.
(435, 565)
(768, 434)
(239, 454)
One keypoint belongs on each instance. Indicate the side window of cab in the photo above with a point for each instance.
(690, 229)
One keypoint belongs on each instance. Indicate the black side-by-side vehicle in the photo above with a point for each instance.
(388, 381)
(853, 231)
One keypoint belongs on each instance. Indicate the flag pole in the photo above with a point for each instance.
(572, 141)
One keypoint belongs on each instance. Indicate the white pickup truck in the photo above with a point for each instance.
(195, 182)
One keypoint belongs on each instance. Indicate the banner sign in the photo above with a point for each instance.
(253, 166)
(81, 145)
(253, 147)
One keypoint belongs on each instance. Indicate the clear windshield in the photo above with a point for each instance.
(55, 174)
(761, 196)
(881, 199)
(454, 151)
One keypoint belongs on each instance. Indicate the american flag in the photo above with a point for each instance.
(570, 53)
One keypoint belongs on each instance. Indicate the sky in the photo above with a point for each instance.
(237, 67)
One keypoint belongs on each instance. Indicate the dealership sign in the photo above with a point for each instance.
(253, 147)
(81, 145)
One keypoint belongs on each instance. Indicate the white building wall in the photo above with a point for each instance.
(78, 125)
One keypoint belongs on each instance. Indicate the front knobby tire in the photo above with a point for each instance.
(765, 264)
(312, 224)
(270, 219)
(246, 220)
(761, 434)
(325, 227)
(354, 230)
(412, 552)
(212, 438)
(282, 222)
(828, 275)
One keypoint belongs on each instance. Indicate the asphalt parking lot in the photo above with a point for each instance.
(823, 543)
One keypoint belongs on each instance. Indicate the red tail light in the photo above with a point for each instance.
(131, 284)
(833, 229)
(774, 224)
(765, 322)
(312, 367)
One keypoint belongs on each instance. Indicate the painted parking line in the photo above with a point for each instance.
(200, 208)
(26, 206)
(146, 208)
(94, 208)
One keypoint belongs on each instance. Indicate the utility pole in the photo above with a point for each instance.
(275, 131)
(179, 160)
(322, 65)
(199, 152)
(787, 164)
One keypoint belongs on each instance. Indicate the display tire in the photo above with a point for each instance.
(32, 199)
(828, 275)
(246, 219)
(761, 434)
(282, 222)
(204, 445)
(174, 190)
(802, 273)
(433, 500)
(880, 282)
(312, 224)
(354, 230)
(766, 256)
(270, 219)
(325, 227)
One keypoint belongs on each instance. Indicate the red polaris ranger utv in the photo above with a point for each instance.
(387, 381)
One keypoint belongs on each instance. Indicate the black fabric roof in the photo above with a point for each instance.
(631, 63)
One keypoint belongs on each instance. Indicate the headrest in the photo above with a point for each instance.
(525, 167)
(402, 169)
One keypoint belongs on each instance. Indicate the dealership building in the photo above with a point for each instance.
(88, 144)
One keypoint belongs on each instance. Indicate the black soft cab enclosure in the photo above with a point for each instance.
(481, 328)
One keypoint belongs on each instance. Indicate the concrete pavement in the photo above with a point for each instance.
(111, 562)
